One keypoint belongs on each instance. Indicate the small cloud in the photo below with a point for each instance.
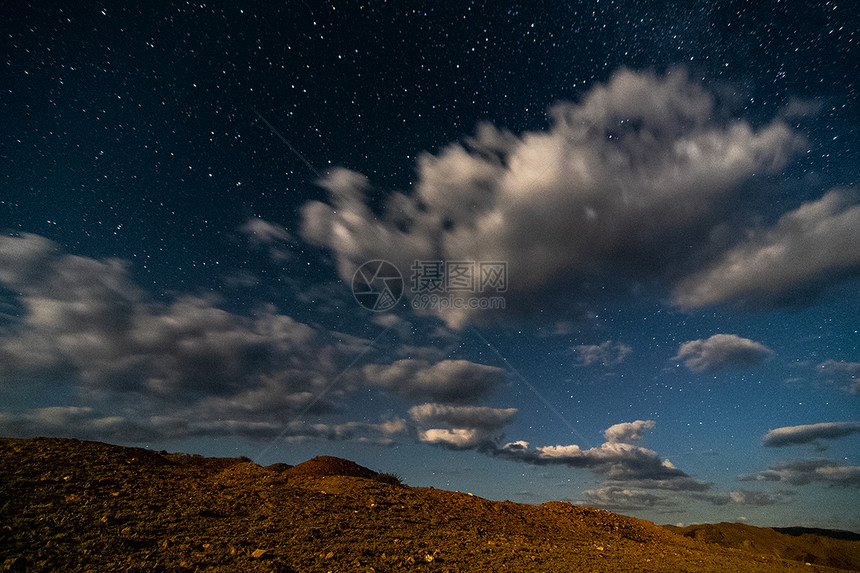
(628, 432)
(842, 372)
(456, 381)
(262, 233)
(798, 108)
(804, 472)
(722, 351)
(757, 498)
(620, 498)
(809, 433)
(607, 353)
(470, 426)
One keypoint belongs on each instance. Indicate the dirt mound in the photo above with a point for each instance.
(67, 505)
(326, 466)
(819, 549)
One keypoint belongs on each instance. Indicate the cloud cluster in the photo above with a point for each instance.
(87, 321)
(722, 351)
(623, 463)
(633, 184)
(606, 353)
(149, 370)
(804, 472)
(809, 433)
(634, 477)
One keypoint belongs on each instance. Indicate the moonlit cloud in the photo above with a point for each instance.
(809, 433)
(613, 192)
(758, 498)
(628, 432)
(82, 422)
(804, 472)
(186, 367)
(274, 237)
(808, 247)
(623, 464)
(457, 381)
(722, 351)
(843, 372)
(606, 353)
(476, 427)
(620, 498)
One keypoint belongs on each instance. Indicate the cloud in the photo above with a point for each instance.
(458, 381)
(798, 108)
(809, 433)
(628, 432)
(606, 353)
(260, 233)
(624, 464)
(621, 498)
(82, 422)
(615, 192)
(842, 371)
(807, 249)
(721, 351)
(758, 498)
(804, 472)
(85, 325)
(473, 427)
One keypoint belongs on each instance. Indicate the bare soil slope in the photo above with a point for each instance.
(68, 505)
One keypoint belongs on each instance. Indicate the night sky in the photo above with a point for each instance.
(625, 242)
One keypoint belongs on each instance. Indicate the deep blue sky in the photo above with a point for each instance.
(188, 190)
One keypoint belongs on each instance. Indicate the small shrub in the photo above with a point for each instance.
(390, 479)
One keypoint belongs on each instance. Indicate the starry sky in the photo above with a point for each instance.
(663, 197)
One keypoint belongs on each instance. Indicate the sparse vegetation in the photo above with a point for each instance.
(390, 479)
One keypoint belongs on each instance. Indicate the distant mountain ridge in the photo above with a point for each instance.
(834, 548)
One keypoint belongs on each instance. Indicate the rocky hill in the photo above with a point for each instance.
(69, 505)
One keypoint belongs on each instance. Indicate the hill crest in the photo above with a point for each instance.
(74, 505)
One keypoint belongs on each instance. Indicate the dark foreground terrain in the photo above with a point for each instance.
(68, 505)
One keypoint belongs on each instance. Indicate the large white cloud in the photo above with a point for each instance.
(722, 351)
(627, 183)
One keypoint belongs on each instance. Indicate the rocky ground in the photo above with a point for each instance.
(68, 505)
